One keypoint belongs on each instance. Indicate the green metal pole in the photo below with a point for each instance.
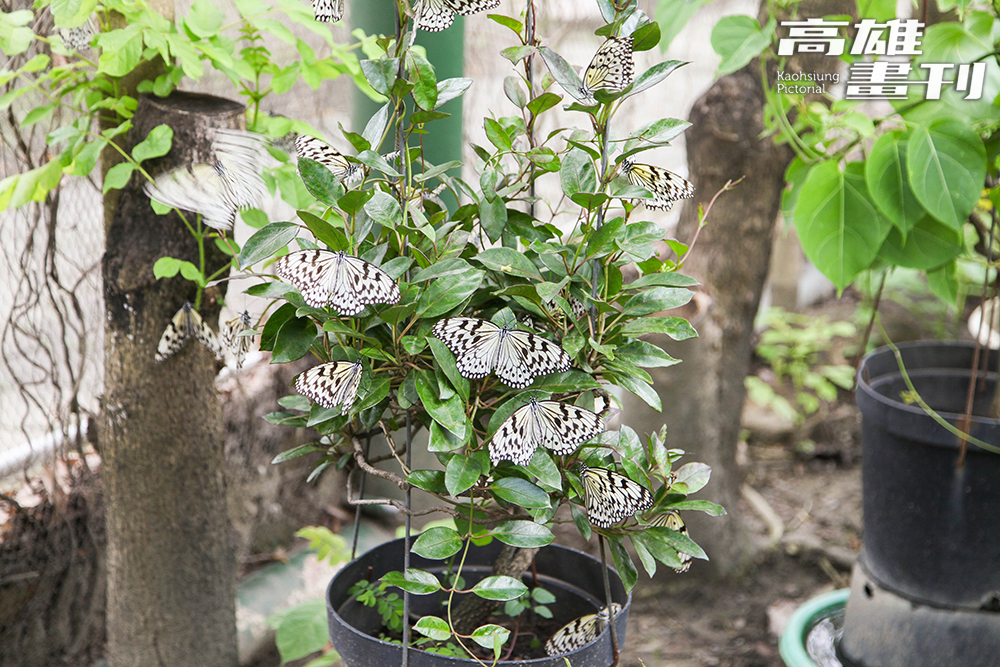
(445, 51)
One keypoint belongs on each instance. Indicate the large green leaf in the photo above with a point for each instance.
(888, 182)
(840, 227)
(739, 39)
(266, 241)
(446, 293)
(461, 473)
(508, 260)
(930, 244)
(520, 492)
(500, 588)
(947, 169)
(437, 543)
(525, 534)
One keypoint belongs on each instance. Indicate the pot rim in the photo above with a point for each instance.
(533, 661)
(864, 386)
(792, 645)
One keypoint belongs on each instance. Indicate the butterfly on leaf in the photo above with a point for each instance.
(237, 343)
(183, 326)
(332, 384)
(436, 15)
(672, 519)
(580, 632)
(610, 69)
(516, 357)
(79, 38)
(666, 186)
(217, 191)
(344, 171)
(612, 497)
(551, 424)
(347, 283)
(326, 11)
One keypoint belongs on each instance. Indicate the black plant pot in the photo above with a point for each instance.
(926, 589)
(572, 576)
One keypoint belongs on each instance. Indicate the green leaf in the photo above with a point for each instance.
(428, 480)
(447, 293)
(384, 210)
(577, 173)
(500, 588)
(638, 387)
(694, 476)
(563, 72)
(446, 362)
(156, 143)
(520, 492)
(450, 89)
(437, 543)
(676, 327)
(672, 16)
(293, 340)
(381, 75)
(421, 75)
(117, 177)
(166, 267)
(645, 355)
(418, 582)
(433, 627)
(888, 182)
(657, 299)
(525, 534)
(840, 228)
(653, 76)
(543, 103)
(930, 244)
(700, 505)
(491, 636)
(624, 565)
(296, 452)
(452, 266)
(493, 217)
(738, 40)
(880, 10)
(544, 469)
(205, 18)
(947, 167)
(121, 51)
(320, 181)
(71, 13)
(266, 241)
(301, 630)
(461, 473)
(450, 413)
(508, 260)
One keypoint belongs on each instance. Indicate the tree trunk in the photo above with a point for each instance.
(703, 396)
(473, 611)
(171, 563)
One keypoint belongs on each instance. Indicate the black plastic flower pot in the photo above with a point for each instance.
(572, 576)
(926, 590)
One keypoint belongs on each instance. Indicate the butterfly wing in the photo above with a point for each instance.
(359, 283)
(328, 10)
(666, 186)
(240, 157)
(198, 188)
(612, 497)
(204, 334)
(175, 335)
(331, 384)
(466, 7)
(312, 272)
(434, 15)
(516, 439)
(524, 356)
(237, 344)
(573, 635)
(564, 426)
(473, 341)
(312, 148)
(672, 520)
(611, 68)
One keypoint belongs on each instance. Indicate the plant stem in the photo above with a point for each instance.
(607, 601)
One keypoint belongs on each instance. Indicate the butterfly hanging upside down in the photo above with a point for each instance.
(436, 15)
(331, 384)
(610, 69)
(185, 325)
(342, 169)
(326, 11)
(612, 497)
(517, 357)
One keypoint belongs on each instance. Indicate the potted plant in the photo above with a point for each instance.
(906, 190)
(500, 334)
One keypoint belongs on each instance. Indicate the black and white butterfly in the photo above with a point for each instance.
(672, 519)
(237, 343)
(332, 384)
(436, 15)
(218, 190)
(328, 10)
(580, 632)
(551, 424)
(612, 497)
(517, 357)
(344, 171)
(79, 38)
(666, 186)
(610, 69)
(347, 283)
(185, 325)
